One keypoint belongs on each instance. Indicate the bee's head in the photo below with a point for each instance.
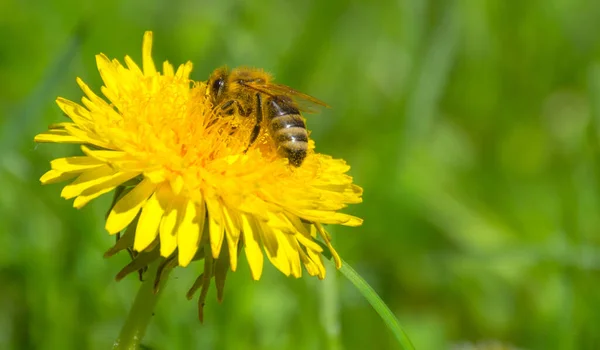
(216, 84)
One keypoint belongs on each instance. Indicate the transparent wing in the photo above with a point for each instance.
(305, 103)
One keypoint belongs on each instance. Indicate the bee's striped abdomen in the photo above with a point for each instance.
(288, 130)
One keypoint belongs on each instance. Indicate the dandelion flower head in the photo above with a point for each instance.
(185, 187)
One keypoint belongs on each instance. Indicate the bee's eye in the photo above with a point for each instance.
(217, 87)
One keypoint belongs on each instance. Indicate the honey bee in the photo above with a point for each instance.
(250, 92)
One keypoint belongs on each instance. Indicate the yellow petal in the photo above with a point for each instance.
(310, 265)
(75, 112)
(59, 126)
(57, 136)
(177, 184)
(275, 252)
(147, 62)
(75, 164)
(290, 245)
(128, 207)
(317, 259)
(232, 228)
(184, 70)
(168, 224)
(53, 176)
(102, 175)
(96, 103)
(96, 191)
(327, 217)
(252, 246)
(104, 155)
(133, 67)
(88, 137)
(109, 76)
(111, 95)
(147, 227)
(189, 233)
(168, 69)
(301, 233)
(156, 176)
(327, 239)
(216, 228)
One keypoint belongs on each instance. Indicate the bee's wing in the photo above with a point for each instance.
(306, 103)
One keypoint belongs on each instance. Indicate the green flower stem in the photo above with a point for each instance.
(141, 311)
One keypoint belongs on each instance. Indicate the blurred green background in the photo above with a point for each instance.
(473, 127)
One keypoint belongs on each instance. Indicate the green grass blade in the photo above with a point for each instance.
(373, 298)
(386, 314)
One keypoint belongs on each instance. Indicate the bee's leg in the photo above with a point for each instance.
(259, 118)
(227, 107)
(232, 106)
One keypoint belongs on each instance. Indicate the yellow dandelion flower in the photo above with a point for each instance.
(186, 188)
